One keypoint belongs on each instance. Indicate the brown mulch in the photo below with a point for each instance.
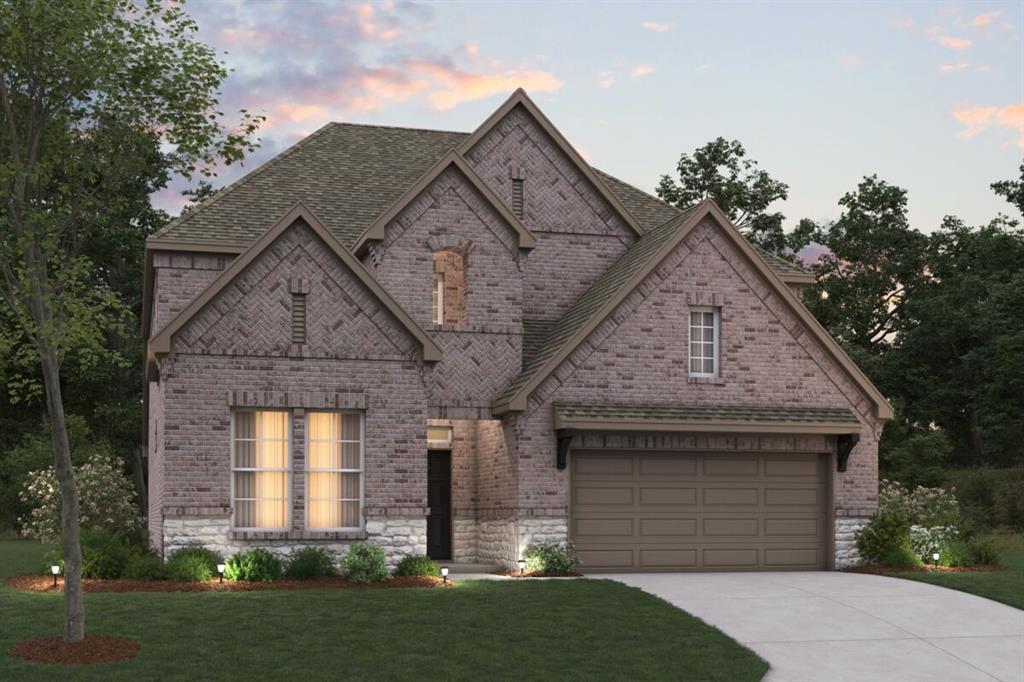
(92, 649)
(875, 569)
(38, 583)
(537, 574)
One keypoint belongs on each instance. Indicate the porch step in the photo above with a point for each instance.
(456, 568)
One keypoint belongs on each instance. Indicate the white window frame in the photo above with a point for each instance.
(288, 470)
(361, 471)
(438, 294)
(716, 341)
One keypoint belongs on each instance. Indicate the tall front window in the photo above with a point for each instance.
(261, 468)
(438, 298)
(704, 342)
(334, 470)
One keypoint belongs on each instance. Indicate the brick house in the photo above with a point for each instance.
(455, 344)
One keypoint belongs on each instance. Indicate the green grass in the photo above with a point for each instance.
(1002, 586)
(562, 630)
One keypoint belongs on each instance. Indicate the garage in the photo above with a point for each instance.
(637, 511)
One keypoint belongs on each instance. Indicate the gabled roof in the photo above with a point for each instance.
(161, 343)
(519, 98)
(707, 418)
(376, 229)
(626, 274)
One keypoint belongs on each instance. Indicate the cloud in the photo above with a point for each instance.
(641, 70)
(951, 68)
(958, 44)
(985, 20)
(978, 119)
(606, 79)
(452, 85)
(851, 61)
(657, 26)
(703, 67)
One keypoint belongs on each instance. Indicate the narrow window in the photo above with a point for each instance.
(448, 287)
(438, 298)
(299, 318)
(261, 470)
(704, 341)
(517, 197)
(334, 475)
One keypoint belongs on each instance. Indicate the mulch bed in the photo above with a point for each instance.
(875, 569)
(39, 583)
(92, 649)
(537, 574)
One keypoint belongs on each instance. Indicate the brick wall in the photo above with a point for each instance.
(178, 278)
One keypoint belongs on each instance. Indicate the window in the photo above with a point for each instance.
(334, 477)
(261, 470)
(438, 300)
(704, 341)
(439, 436)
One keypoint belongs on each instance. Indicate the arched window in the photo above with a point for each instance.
(448, 294)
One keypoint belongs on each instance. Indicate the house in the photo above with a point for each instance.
(457, 344)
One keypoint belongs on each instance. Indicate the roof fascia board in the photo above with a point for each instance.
(519, 97)
(705, 426)
(376, 231)
(161, 343)
(195, 246)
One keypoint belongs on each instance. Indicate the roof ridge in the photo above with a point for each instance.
(248, 176)
(389, 127)
(644, 192)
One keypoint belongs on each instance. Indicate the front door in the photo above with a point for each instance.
(439, 499)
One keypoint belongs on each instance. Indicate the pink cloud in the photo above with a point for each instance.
(851, 61)
(606, 79)
(984, 20)
(958, 44)
(1012, 117)
(951, 68)
(451, 85)
(977, 120)
(657, 26)
(641, 70)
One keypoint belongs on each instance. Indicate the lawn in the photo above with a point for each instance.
(582, 629)
(1002, 586)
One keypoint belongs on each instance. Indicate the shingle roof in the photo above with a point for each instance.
(730, 413)
(534, 333)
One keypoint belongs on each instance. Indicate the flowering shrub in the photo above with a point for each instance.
(922, 506)
(105, 496)
(925, 540)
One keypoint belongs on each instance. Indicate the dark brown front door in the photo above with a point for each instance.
(439, 499)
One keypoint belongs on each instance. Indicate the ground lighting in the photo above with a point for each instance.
(220, 569)
(55, 569)
(522, 566)
(444, 574)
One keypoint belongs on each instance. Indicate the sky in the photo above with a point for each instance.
(930, 96)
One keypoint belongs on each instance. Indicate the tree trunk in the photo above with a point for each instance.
(139, 475)
(74, 610)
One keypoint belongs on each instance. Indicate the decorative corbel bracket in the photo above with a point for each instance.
(564, 438)
(844, 446)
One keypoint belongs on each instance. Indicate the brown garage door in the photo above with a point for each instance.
(681, 511)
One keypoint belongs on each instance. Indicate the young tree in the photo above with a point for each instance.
(1012, 190)
(720, 170)
(89, 90)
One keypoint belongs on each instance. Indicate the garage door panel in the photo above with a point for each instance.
(668, 558)
(604, 466)
(731, 496)
(731, 558)
(603, 496)
(605, 527)
(805, 466)
(668, 466)
(791, 557)
(730, 527)
(591, 559)
(730, 467)
(791, 497)
(806, 527)
(653, 496)
(652, 528)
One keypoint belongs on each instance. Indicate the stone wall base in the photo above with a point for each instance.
(502, 541)
(399, 536)
(846, 541)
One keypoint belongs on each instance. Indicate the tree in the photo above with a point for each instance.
(720, 170)
(1012, 190)
(874, 259)
(89, 90)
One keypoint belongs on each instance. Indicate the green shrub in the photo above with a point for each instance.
(146, 566)
(956, 555)
(311, 562)
(254, 565)
(418, 566)
(901, 557)
(984, 550)
(104, 555)
(550, 558)
(193, 564)
(1008, 500)
(991, 498)
(364, 562)
(886, 532)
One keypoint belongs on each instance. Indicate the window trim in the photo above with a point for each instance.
(290, 471)
(438, 292)
(361, 471)
(716, 311)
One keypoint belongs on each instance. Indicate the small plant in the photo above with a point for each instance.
(956, 555)
(144, 566)
(364, 562)
(193, 564)
(418, 566)
(984, 550)
(886, 532)
(104, 555)
(309, 563)
(254, 565)
(901, 557)
(550, 558)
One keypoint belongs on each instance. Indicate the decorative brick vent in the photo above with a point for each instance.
(517, 197)
(298, 319)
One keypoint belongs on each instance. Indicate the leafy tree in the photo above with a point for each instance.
(720, 170)
(874, 260)
(913, 455)
(89, 91)
(1012, 190)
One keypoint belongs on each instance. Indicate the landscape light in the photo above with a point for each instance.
(935, 557)
(55, 569)
(522, 566)
(444, 574)
(220, 569)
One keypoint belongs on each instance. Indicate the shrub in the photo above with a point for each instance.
(901, 557)
(104, 554)
(922, 506)
(984, 550)
(364, 562)
(1008, 500)
(956, 554)
(254, 565)
(550, 558)
(926, 541)
(418, 566)
(311, 562)
(145, 566)
(105, 495)
(193, 564)
(886, 532)
(991, 497)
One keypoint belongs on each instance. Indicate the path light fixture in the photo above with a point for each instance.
(220, 569)
(55, 569)
(935, 558)
(522, 567)
(444, 574)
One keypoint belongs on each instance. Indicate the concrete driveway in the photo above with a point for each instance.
(824, 627)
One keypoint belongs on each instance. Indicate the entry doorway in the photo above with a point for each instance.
(439, 499)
